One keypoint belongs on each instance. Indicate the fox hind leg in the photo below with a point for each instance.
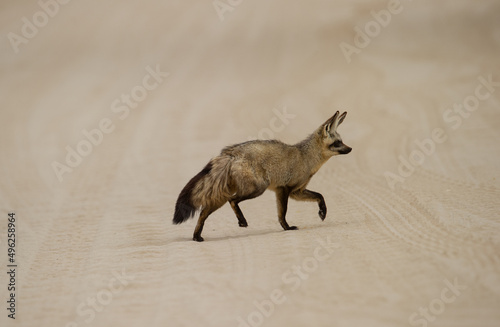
(201, 222)
(242, 222)
(236, 208)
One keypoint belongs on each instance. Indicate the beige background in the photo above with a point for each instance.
(394, 249)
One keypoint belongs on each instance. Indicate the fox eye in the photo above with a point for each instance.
(337, 143)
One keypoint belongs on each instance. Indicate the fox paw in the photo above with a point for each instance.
(198, 238)
(292, 228)
(322, 210)
(243, 224)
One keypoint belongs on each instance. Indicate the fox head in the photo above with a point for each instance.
(331, 140)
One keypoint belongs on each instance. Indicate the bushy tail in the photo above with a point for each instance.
(210, 187)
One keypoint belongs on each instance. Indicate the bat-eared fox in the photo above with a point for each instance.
(244, 171)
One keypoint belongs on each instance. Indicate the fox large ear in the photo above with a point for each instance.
(329, 125)
(339, 120)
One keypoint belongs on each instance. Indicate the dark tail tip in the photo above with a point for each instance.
(184, 208)
(183, 211)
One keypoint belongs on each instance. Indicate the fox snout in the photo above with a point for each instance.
(345, 149)
(338, 147)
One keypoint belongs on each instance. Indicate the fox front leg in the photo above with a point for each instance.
(306, 195)
(282, 194)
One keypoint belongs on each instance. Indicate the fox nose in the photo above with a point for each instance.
(346, 150)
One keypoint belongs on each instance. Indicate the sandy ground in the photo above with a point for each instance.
(412, 234)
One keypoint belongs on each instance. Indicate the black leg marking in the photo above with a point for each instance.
(306, 195)
(242, 222)
(201, 222)
(282, 194)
